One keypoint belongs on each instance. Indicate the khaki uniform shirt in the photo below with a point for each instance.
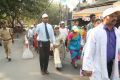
(6, 34)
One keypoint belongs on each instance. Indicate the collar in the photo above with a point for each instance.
(44, 23)
(106, 28)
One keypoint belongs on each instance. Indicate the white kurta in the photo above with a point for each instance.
(64, 32)
(95, 56)
(58, 55)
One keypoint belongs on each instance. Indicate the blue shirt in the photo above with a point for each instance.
(111, 44)
(40, 30)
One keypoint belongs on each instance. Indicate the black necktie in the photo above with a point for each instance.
(47, 34)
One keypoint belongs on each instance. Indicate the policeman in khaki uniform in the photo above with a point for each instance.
(7, 37)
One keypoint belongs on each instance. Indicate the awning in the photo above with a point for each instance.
(86, 12)
(116, 3)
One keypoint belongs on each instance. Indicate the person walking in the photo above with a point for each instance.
(30, 36)
(45, 37)
(35, 42)
(73, 45)
(58, 50)
(95, 24)
(63, 30)
(100, 61)
(91, 23)
(7, 37)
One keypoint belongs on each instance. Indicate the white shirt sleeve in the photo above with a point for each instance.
(52, 36)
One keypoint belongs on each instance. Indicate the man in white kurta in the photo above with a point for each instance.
(97, 55)
(63, 30)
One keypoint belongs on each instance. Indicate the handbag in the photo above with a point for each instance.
(27, 53)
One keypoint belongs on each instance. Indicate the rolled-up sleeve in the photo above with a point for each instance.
(52, 36)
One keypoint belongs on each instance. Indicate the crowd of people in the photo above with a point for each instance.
(96, 44)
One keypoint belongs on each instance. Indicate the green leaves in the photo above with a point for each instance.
(21, 8)
(29, 10)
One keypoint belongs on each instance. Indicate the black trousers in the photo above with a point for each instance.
(109, 67)
(44, 51)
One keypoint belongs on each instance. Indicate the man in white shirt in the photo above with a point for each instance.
(63, 30)
(45, 37)
(30, 36)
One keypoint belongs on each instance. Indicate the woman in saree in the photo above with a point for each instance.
(73, 45)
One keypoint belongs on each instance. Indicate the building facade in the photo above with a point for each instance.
(95, 1)
(92, 6)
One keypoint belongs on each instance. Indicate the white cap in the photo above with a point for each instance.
(44, 15)
(75, 29)
(62, 22)
(56, 26)
(110, 11)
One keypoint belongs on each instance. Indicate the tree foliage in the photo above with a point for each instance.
(57, 13)
(53, 12)
(17, 9)
(28, 10)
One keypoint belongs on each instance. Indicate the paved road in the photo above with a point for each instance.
(20, 69)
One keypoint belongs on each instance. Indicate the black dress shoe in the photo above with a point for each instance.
(9, 59)
(59, 69)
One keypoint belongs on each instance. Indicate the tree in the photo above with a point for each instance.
(53, 12)
(16, 9)
(57, 13)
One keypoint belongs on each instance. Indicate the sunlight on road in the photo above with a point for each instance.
(34, 73)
